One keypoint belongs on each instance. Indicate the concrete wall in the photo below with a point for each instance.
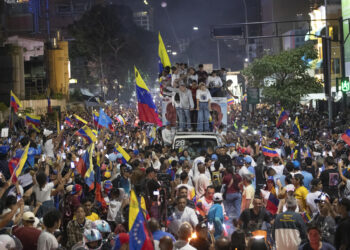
(40, 106)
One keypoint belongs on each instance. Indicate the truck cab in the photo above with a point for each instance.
(195, 142)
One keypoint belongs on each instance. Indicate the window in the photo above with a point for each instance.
(336, 66)
(79, 7)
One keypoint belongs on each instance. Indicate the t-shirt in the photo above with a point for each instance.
(201, 183)
(234, 187)
(28, 236)
(93, 216)
(325, 246)
(300, 194)
(248, 194)
(45, 193)
(310, 201)
(47, 241)
(307, 179)
(251, 220)
(203, 96)
(330, 181)
(278, 169)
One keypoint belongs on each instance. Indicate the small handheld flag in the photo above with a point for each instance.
(87, 134)
(296, 127)
(78, 118)
(89, 174)
(269, 152)
(22, 161)
(68, 122)
(125, 155)
(283, 116)
(346, 136)
(162, 55)
(33, 119)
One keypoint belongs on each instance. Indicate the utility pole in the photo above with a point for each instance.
(342, 59)
(328, 75)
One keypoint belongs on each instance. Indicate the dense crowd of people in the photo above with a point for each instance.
(191, 92)
(295, 195)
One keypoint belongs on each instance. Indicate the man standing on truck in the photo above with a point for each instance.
(167, 135)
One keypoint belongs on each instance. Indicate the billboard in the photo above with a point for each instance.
(345, 4)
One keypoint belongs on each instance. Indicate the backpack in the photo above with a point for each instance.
(216, 179)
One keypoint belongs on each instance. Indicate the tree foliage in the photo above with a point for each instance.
(110, 44)
(284, 77)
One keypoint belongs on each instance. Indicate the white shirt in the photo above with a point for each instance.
(167, 136)
(173, 78)
(201, 183)
(45, 193)
(203, 96)
(47, 241)
(183, 245)
(310, 201)
(178, 217)
(278, 169)
(113, 208)
(214, 81)
(48, 148)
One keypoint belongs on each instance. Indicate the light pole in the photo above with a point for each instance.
(329, 75)
(246, 29)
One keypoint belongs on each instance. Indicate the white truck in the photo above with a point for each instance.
(195, 142)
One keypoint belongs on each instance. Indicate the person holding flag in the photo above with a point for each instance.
(282, 117)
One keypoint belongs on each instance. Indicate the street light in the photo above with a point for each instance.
(164, 4)
(195, 28)
(246, 60)
(174, 53)
(145, 2)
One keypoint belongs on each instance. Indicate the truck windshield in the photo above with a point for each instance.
(195, 145)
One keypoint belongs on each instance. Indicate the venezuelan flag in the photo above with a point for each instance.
(271, 201)
(95, 115)
(162, 55)
(32, 119)
(22, 161)
(87, 134)
(98, 194)
(296, 127)
(146, 107)
(34, 127)
(125, 155)
(14, 102)
(346, 136)
(140, 237)
(120, 119)
(68, 122)
(281, 118)
(89, 174)
(269, 152)
(79, 119)
(230, 101)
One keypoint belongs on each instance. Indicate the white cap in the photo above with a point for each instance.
(290, 188)
(217, 197)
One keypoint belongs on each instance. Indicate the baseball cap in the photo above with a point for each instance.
(136, 152)
(76, 189)
(296, 164)
(290, 188)
(239, 161)
(214, 157)
(28, 216)
(108, 185)
(217, 197)
(248, 159)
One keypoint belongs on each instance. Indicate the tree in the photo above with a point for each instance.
(111, 44)
(284, 77)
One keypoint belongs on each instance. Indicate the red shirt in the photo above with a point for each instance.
(234, 187)
(28, 237)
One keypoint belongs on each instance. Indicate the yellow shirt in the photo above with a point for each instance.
(93, 216)
(300, 194)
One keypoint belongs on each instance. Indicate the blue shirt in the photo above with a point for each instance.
(157, 235)
(124, 183)
(307, 179)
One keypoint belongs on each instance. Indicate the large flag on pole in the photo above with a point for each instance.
(163, 55)
(296, 127)
(14, 102)
(146, 107)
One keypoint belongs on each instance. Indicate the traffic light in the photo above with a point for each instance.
(345, 84)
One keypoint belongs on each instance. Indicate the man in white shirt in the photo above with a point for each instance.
(204, 99)
(201, 182)
(167, 135)
(214, 83)
(52, 222)
(182, 214)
